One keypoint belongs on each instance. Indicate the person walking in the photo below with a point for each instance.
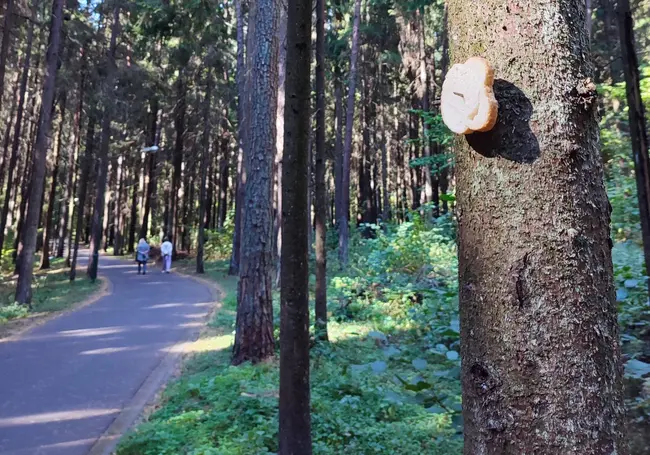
(166, 250)
(142, 256)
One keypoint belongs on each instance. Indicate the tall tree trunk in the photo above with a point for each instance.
(205, 152)
(224, 171)
(25, 272)
(344, 225)
(338, 145)
(15, 146)
(637, 121)
(133, 219)
(103, 156)
(177, 160)
(150, 192)
(279, 141)
(84, 177)
(541, 367)
(68, 205)
(423, 91)
(49, 227)
(254, 327)
(320, 199)
(295, 418)
(242, 112)
(7, 31)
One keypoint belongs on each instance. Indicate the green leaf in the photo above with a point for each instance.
(637, 369)
(419, 364)
(453, 355)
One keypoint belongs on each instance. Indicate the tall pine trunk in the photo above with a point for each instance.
(82, 190)
(97, 226)
(48, 224)
(242, 111)
(7, 31)
(200, 266)
(25, 268)
(320, 198)
(541, 367)
(254, 326)
(636, 114)
(344, 224)
(295, 418)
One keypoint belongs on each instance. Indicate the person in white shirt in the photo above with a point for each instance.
(166, 251)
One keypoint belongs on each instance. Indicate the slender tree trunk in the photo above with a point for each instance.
(177, 160)
(68, 205)
(279, 142)
(7, 29)
(588, 21)
(15, 146)
(254, 327)
(103, 157)
(637, 121)
(338, 145)
(205, 152)
(242, 109)
(320, 198)
(344, 225)
(150, 193)
(295, 418)
(541, 367)
(423, 94)
(133, 219)
(7, 135)
(49, 227)
(224, 171)
(86, 165)
(25, 272)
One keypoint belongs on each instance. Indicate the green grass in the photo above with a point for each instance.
(52, 292)
(359, 403)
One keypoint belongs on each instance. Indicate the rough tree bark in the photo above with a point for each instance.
(541, 370)
(295, 419)
(636, 114)
(26, 263)
(103, 155)
(344, 224)
(320, 197)
(254, 327)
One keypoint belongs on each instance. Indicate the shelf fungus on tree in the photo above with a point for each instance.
(467, 102)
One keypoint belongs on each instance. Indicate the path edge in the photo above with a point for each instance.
(105, 289)
(159, 376)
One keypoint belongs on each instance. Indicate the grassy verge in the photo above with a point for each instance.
(371, 394)
(52, 292)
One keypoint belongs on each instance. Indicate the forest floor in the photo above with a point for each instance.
(88, 373)
(388, 381)
(52, 293)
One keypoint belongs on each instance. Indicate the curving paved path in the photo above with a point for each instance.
(64, 383)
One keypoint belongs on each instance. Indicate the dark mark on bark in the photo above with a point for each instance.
(522, 288)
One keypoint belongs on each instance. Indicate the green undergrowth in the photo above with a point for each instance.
(387, 382)
(52, 291)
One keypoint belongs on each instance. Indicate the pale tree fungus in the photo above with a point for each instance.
(467, 102)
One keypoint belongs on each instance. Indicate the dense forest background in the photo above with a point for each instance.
(122, 120)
